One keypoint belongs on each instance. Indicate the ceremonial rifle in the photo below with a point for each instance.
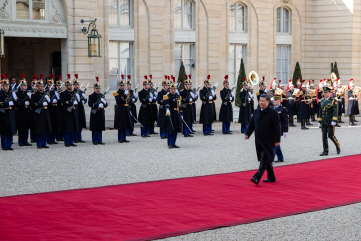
(94, 111)
(38, 111)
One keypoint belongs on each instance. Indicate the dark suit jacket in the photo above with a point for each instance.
(267, 127)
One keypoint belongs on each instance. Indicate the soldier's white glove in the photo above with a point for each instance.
(27, 103)
(47, 98)
(14, 96)
(232, 94)
(213, 93)
(126, 92)
(284, 134)
(333, 123)
(11, 103)
(265, 90)
(83, 102)
(55, 101)
(101, 105)
(75, 102)
(168, 111)
(135, 95)
(29, 94)
(57, 95)
(190, 100)
(84, 96)
(133, 100)
(45, 104)
(192, 95)
(210, 97)
(150, 95)
(77, 96)
(230, 98)
(249, 99)
(177, 92)
(104, 102)
(319, 125)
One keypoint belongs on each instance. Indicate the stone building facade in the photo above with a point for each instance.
(142, 37)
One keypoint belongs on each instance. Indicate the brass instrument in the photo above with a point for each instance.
(333, 77)
(357, 92)
(253, 77)
(296, 92)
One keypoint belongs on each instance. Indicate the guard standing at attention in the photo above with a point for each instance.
(97, 103)
(206, 117)
(173, 124)
(145, 113)
(80, 108)
(226, 112)
(133, 99)
(327, 118)
(187, 110)
(162, 110)
(122, 118)
(245, 111)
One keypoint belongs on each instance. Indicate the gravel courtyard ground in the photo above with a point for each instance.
(29, 170)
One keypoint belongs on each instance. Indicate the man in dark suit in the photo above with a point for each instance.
(266, 124)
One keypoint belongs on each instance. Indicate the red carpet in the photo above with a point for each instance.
(172, 207)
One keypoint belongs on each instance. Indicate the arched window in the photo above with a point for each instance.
(237, 18)
(183, 14)
(30, 9)
(283, 20)
(120, 12)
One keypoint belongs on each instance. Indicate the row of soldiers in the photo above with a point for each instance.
(302, 100)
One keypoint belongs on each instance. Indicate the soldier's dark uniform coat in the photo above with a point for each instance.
(226, 112)
(132, 105)
(7, 119)
(55, 113)
(291, 109)
(206, 116)
(194, 108)
(305, 109)
(69, 119)
(122, 118)
(145, 112)
(283, 115)
(97, 120)
(154, 108)
(352, 108)
(245, 111)
(81, 111)
(172, 102)
(162, 110)
(187, 106)
(23, 115)
(42, 121)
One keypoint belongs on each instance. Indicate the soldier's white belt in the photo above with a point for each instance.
(290, 98)
(305, 100)
(351, 98)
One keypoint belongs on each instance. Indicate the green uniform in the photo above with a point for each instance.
(328, 114)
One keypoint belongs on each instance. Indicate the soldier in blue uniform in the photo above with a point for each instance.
(262, 90)
(7, 116)
(32, 89)
(54, 111)
(187, 110)
(304, 110)
(70, 124)
(145, 113)
(42, 122)
(97, 103)
(173, 123)
(132, 100)
(327, 118)
(154, 107)
(122, 117)
(226, 112)
(206, 117)
(162, 110)
(80, 108)
(291, 108)
(194, 107)
(283, 115)
(23, 115)
(58, 84)
(245, 111)
(352, 108)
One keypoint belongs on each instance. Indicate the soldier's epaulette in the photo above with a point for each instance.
(257, 93)
(301, 92)
(241, 90)
(115, 93)
(165, 97)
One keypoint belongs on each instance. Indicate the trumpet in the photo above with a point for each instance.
(253, 77)
(333, 77)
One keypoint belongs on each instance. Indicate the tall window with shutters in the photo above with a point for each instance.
(237, 21)
(283, 20)
(183, 14)
(120, 13)
(184, 52)
(283, 57)
(120, 61)
(236, 53)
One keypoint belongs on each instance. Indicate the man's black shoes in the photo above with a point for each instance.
(324, 153)
(267, 180)
(170, 147)
(175, 146)
(338, 150)
(279, 160)
(254, 181)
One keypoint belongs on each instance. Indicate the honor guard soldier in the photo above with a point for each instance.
(245, 111)
(342, 96)
(70, 101)
(352, 109)
(59, 85)
(283, 115)
(226, 112)
(262, 89)
(133, 99)
(8, 100)
(194, 107)
(97, 103)
(122, 117)
(291, 107)
(304, 102)
(173, 123)
(327, 120)
(23, 115)
(42, 122)
(32, 88)
(336, 95)
(206, 117)
(284, 99)
(187, 110)
(55, 112)
(153, 94)
(145, 112)
(314, 105)
(272, 90)
(162, 110)
(80, 108)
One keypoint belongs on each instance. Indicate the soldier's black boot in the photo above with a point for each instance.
(324, 153)
(303, 124)
(338, 149)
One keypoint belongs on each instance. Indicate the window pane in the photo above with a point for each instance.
(285, 14)
(124, 50)
(232, 21)
(113, 82)
(22, 9)
(39, 9)
(113, 12)
(177, 66)
(187, 65)
(178, 51)
(187, 51)
(113, 66)
(240, 10)
(124, 13)
(113, 50)
(279, 13)
(178, 14)
(188, 14)
(239, 51)
(285, 26)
